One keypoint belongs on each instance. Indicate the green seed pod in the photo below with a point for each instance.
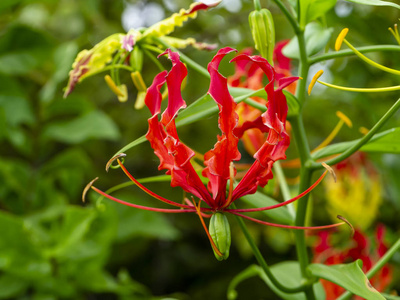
(263, 32)
(220, 232)
(136, 58)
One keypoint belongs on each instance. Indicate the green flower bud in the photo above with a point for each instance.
(263, 32)
(220, 232)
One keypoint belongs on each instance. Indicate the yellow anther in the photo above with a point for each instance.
(314, 80)
(363, 130)
(138, 81)
(121, 91)
(340, 38)
(344, 118)
(141, 87)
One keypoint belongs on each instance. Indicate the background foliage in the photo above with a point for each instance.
(54, 247)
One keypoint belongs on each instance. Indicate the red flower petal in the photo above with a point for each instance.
(225, 151)
(277, 141)
(174, 155)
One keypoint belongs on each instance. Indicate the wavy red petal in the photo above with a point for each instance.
(225, 151)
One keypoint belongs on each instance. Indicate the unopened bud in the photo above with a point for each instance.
(220, 232)
(263, 32)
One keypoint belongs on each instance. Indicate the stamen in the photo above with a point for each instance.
(86, 189)
(330, 170)
(282, 203)
(111, 84)
(347, 222)
(109, 163)
(163, 210)
(395, 33)
(314, 80)
(370, 61)
(231, 178)
(141, 87)
(154, 195)
(289, 226)
(331, 136)
(205, 228)
(345, 118)
(340, 38)
(361, 90)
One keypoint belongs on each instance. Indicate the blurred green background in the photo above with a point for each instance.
(54, 247)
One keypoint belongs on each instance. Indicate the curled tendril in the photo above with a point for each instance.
(347, 222)
(87, 187)
(118, 156)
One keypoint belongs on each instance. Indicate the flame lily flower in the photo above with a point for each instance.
(219, 168)
(116, 50)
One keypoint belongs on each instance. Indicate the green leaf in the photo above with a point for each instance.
(11, 286)
(280, 214)
(349, 276)
(137, 222)
(63, 58)
(281, 271)
(17, 110)
(387, 141)
(76, 223)
(390, 297)
(293, 104)
(316, 37)
(375, 3)
(96, 125)
(18, 255)
(318, 8)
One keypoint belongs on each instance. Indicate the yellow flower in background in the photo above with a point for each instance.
(357, 192)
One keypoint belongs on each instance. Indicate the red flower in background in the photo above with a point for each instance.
(360, 248)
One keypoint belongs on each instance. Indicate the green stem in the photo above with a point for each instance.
(288, 15)
(362, 141)
(303, 148)
(379, 265)
(263, 263)
(153, 59)
(303, 69)
(110, 67)
(191, 63)
(257, 5)
(348, 52)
